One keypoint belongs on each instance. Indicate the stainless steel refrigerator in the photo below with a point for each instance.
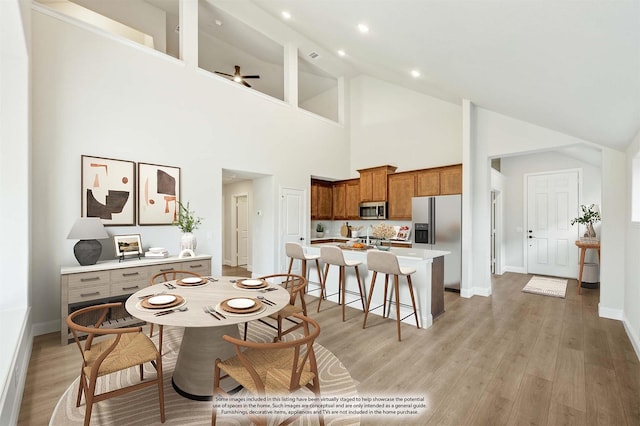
(437, 225)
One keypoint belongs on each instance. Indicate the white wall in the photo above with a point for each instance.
(514, 170)
(632, 266)
(15, 183)
(97, 96)
(400, 127)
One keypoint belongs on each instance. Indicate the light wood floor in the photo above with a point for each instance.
(512, 358)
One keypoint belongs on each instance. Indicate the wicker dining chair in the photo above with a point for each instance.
(128, 347)
(278, 368)
(161, 277)
(296, 292)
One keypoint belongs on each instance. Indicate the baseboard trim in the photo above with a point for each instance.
(46, 327)
(616, 314)
(516, 269)
(475, 291)
(635, 339)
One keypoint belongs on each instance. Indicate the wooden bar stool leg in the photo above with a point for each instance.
(395, 285)
(323, 290)
(360, 286)
(319, 271)
(366, 312)
(341, 283)
(286, 284)
(384, 301)
(413, 300)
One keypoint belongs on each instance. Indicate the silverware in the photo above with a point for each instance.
(212, 279)
(266, 301)
(170, 311)
(212, 309)
(151, 295)
(169, 285)
(232, 281)
(207, 311)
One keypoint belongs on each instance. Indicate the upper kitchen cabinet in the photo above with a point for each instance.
(451, 180)
(321, 200)
(427, 183)
(373, 183)
(346, 199)
(401, 190)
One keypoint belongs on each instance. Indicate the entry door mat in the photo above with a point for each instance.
(547, 286)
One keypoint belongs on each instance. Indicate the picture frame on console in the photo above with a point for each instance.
(108, 190)
(158, 194)
(127, 245)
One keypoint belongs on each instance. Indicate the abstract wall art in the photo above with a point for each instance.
(108, 190)
(158, 194)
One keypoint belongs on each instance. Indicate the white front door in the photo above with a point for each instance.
(552, 201)
(293, 222)
(242, 230)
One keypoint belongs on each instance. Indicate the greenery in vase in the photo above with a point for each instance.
(590, 215)
(319, 227)
(187, 221)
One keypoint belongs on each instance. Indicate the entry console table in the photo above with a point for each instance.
(114, 281)
(584, 245)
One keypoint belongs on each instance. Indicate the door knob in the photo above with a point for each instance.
(530, 236)
(301, 238)
(530, 231)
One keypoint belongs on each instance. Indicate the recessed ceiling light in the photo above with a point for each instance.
(415, 73)
(342, 52)
(363, 28)
(286, 14)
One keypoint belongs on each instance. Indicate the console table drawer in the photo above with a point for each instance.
(130, 274)
(119, 289)
(82, 294)
(88, 279)
(201, 267)
(156, 269)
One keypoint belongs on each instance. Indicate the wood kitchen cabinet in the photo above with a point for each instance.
(346, 199)
(451, 180)
(427, 183)
(401, 190)
(373, 183)
(321, 200)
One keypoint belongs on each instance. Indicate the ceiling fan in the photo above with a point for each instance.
(238, 77)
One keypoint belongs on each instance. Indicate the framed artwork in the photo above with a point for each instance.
(158, 194)
(108, 190)
(127, 245)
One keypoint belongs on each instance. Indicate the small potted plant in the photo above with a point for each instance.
(589, 216)
(320, 230)
(187, 222)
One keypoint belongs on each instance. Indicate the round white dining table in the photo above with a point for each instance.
(202, 340)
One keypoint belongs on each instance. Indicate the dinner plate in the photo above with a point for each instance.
(161, 300)
(241, 303)
(191, 280)
(249, 283)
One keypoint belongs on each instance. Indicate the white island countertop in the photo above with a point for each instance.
(428, 265)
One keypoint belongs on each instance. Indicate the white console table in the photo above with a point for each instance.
(112, 281)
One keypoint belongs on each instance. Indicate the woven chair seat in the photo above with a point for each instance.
(287, 311)
(273, 367)
(132, 350)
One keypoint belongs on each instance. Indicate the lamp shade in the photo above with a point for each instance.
(87, 228)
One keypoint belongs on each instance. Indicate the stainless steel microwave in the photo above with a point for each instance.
(373, 210)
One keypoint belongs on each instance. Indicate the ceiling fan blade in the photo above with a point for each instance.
(245, 83)
(250, 76)
(223, 73)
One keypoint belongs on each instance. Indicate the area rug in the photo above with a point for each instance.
(141, 407)
(547, 286)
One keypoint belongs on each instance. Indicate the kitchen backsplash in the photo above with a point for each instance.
(332, 227)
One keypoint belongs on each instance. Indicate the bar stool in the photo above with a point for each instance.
(387, 263)
(295, 251)
(332, 255)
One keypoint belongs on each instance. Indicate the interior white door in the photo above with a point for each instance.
(552, 201)
(293, 222)
(242, 230)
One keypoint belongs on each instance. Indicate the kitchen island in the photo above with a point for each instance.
(428, 282)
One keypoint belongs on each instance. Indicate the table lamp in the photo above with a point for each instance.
(88, 230)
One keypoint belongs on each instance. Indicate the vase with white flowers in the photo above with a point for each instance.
(383, 232)
(187, 222)
(590, 215)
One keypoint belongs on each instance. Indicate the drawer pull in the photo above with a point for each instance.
(130, 274)
(165, 270)
(130, 288)
(95, 293)
(89, 279)
(196, 266)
